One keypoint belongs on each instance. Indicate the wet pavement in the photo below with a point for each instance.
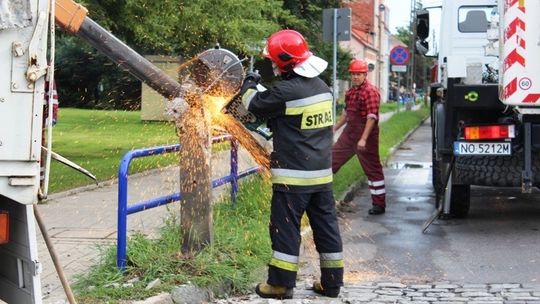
(490, 257)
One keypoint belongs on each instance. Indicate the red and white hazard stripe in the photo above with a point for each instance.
(520, 69)
(46, 103)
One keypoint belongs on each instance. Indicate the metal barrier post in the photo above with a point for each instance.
(121, 238)
(124, 210)
(234, 170)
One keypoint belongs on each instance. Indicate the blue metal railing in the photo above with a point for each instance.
(124, 210)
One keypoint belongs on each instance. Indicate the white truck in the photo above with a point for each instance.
(485, 96)
(23, 62)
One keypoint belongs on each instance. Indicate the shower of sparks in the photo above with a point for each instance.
(211, 105)
(214, 105)
(244, 137)
(186, 64)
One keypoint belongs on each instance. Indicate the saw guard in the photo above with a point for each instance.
(218, 72)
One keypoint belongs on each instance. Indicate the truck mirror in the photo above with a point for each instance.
(427, 31)
(422, 47)
(422, 24)
(422, 32)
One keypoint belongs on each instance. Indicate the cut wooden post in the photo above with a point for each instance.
(195, 178)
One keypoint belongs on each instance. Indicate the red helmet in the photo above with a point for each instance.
(287, 49)
(358, 66)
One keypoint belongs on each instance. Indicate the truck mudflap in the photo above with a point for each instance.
(19, 266)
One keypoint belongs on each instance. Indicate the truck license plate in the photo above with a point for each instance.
(482, 148)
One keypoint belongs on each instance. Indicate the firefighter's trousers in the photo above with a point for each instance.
(286, 213)
(345, 148)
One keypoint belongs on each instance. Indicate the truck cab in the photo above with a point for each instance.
(485, 126)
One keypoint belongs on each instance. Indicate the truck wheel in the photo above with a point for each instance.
(460, 202)
(497, 171)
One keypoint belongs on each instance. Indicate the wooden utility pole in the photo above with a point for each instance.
(195, 177)
(216, 72)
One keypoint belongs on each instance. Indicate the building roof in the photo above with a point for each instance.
(362, 20)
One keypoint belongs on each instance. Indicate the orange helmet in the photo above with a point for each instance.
(287, 49)
(358, 66)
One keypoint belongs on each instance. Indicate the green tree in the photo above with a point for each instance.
(167, 27)
(178, 28)
(310, 12)
(404, 35)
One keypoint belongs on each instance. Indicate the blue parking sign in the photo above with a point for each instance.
(400, 55)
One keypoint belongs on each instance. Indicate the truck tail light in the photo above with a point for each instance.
(4, 227)
(489, 132)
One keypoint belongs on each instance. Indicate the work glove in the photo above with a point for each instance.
(253, 76)
(261, 127)
(251, 80)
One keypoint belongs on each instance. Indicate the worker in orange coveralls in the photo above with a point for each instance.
(361, 133)
(299, 113)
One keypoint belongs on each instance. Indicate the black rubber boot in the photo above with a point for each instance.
(375, 210)
(327, 292)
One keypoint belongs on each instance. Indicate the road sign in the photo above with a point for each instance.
(399, 55)
(399, 68)
(343, 23)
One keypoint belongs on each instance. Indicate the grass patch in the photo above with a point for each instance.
(97, 140)
(391, 133)
(240, 251)
(388, 107)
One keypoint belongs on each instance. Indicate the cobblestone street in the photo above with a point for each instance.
(442, 293)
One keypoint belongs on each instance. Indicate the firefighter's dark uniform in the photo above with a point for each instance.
(299, 113)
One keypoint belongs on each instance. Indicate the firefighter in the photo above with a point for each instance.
(298, 111)
(361, 133)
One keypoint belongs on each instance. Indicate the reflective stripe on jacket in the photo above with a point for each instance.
(299, 113)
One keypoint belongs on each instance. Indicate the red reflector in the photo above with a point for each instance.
(4, 227)
(489, 132)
